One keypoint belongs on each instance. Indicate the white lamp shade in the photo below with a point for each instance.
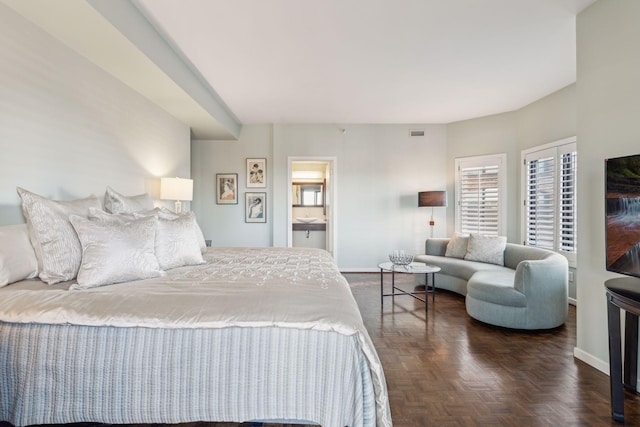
(176, 189)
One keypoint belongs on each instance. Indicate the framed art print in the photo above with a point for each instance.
(255, 207)
(256, 173)
(227, 188)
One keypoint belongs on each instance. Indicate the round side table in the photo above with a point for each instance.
(413, 268)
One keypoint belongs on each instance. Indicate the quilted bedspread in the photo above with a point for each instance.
(278, 289)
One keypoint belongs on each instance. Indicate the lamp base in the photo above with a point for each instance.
(178, 206)
(432, 223)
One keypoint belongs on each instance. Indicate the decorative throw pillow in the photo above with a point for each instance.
(176, 242)
(54, 240)
(489, 249)
(116, 203)
(457, 246)
(17, 258)
(116, 250)
(167, 214)
(104, 215)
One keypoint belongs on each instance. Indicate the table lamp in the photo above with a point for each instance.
(177, 189)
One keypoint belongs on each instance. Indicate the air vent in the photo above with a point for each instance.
(416, 132)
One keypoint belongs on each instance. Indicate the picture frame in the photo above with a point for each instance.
(227, 188)
(256, 173)
(255, 207)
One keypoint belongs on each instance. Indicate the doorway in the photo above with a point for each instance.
(311, 203)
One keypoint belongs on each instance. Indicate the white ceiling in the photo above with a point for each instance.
(218, 64)
(374, 61)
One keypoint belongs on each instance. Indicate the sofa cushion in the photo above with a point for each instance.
(436, 246)
(514, 254)
(459, 267)
(486, 249)
(496, 287)
(457, 246)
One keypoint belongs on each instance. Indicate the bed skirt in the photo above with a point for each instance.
(55, 374)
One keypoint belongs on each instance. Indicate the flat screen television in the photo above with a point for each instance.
(622, 205)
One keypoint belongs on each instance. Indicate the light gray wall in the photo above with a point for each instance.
(224, 224)
(380, 171)
(549, 119)
(608, 94)
(68, 129)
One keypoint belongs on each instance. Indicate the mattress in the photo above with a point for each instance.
(253, 334)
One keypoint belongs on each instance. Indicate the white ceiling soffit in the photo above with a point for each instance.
(374, 61)
(157, 74)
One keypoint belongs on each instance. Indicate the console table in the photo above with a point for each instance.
(622, 293)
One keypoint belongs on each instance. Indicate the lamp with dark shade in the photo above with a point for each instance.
(432, 199)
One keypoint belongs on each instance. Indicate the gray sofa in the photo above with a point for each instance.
(529, 292)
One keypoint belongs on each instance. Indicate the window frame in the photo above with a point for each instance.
(558, 149)
(490, 160)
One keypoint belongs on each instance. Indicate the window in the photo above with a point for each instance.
(550, 197)
(481, 194)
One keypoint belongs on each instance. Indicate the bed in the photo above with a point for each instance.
(251, 334)
(132, 319)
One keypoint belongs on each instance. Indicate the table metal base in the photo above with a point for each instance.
(400, 292)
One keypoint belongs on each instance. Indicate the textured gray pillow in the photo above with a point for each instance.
(116, 250)
(457, 246)
(489, 249)
(116, 203)
(54, 240)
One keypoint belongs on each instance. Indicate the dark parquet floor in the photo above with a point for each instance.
(445, 369)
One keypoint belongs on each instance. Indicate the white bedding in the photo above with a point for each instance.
(237, 287)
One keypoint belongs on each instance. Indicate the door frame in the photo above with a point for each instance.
(330, 195)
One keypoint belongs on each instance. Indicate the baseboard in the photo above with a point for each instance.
(591, 360)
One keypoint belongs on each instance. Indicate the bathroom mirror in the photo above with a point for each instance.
(308, 194)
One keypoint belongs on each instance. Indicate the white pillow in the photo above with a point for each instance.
(100, 214)
(54, 240)
(17, 258)
(489, 249)
(457, 246)
(176, 242)
(115, 251)
(116, 203)
(167, 214)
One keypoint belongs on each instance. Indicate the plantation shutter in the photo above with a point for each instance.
(479, 200)
(480, 195)
(541, 199)
(568, 211)
(550, 198)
